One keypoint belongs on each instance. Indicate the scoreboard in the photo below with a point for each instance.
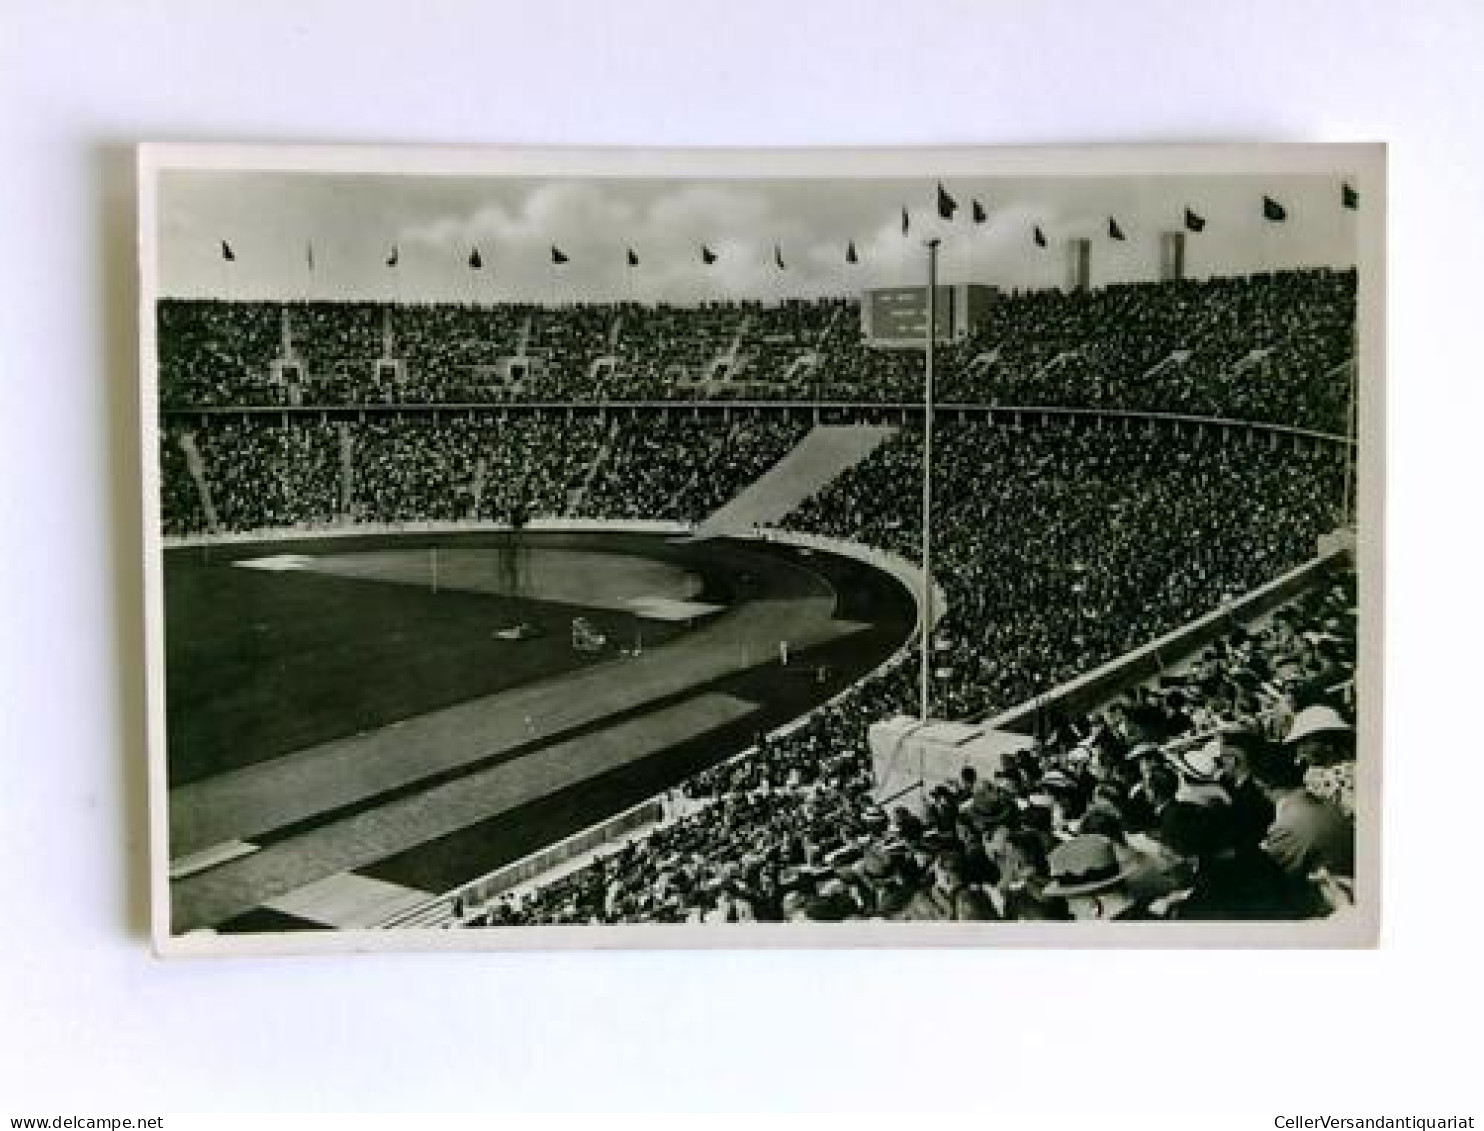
(898, 315)
(901, 312)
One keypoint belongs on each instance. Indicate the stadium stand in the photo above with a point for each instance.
(1193, 799)
(681, 470)
(264, 477)
(1224, 790)
(1271, 348)
(182, 510)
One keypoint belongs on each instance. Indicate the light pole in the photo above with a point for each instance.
(927, 477)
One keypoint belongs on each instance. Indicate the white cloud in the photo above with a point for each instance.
(435, 221)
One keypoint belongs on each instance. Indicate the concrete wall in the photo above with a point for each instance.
(440, 909)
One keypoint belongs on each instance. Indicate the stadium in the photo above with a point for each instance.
(483, 614)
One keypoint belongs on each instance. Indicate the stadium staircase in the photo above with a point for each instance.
(476, 488)
(984, 362)
(1254, 359)
(347, 471)
(1335, 370)
(830, 326)
(801, 369)
(1176, 357)
(197, 467)
(729, 361)
(1055, 363)
(815, 462)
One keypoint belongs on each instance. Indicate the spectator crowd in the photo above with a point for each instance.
(265, 472)
(1273, 348)
(1224, 789)
(1221, 792)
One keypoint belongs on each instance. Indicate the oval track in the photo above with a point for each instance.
(438, 796)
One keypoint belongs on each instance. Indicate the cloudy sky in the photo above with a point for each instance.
(352, 222)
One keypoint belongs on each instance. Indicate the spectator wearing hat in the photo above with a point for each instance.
(1199, 769)
(1152, 871)
(1307, 832)
(1325, 744)
(1087, 873)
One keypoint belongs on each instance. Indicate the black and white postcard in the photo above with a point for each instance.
(763, 548)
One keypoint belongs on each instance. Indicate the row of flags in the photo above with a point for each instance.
(558, 256)
(1272, 211)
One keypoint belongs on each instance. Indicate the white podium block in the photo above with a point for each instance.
(909, 757)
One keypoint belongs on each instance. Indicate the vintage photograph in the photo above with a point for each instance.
(687, 548)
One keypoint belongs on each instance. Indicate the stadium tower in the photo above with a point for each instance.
(1079, 264)
(1171, 257)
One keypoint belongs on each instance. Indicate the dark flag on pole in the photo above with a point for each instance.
(1114, 231)
(778, 257)
(947, 206)
(1040, 237)
(708, 256)
(309, 255)
(557, 255)
(227, 252)
(1272, 210)
(850, 256)
(475, 260)
(979, 214)
(1193, 222)
(906, 222)
(391, 260)
(1349, 197)
(633, 259)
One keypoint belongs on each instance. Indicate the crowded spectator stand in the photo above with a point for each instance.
(1222, 791)
(1272, 348)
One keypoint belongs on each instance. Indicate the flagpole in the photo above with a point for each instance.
(927, 475)
(1349, 453)
(1352, 430)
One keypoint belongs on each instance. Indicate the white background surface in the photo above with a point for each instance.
(91, 1024)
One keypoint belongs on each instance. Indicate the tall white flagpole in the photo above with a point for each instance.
(1352, 434)
(927, 477)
